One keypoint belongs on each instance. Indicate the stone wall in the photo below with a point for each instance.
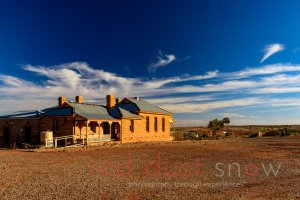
(16, 131)
(140, 132)
(65, 125)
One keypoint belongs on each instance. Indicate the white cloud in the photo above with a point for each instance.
(231, 115)
(271, 49)
(265, 70)
(177, 100)
(65, 76)
(162, 60)
(78, 78)
(179, 94)
(157, 83)
(204, 107)
(275, 90)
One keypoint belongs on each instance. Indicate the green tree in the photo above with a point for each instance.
(215, 125)
(226, 120)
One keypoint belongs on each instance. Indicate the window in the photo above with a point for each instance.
(163, 124)
(155, 123)
(147, 124)
(132, 125)
(55, 125)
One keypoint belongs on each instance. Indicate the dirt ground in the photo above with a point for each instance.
(175, 170)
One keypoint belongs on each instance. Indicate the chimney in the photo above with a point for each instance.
(110, 101)
(62, 101)
(118, 100)
(79, 99)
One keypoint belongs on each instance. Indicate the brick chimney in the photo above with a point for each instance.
(110, 101)
(79, 99)
(62, 101)
(118, 100)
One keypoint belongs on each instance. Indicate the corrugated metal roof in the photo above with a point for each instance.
(126, 113)
(90, 111)
(128, 106)
(57, 111)
(115, 112)
(119, 112)
(52, 111)
(143, 105)
(21, 114)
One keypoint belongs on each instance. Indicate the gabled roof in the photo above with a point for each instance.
(57, 111)
(52, 111)
(125, 109)
(128, 106)
(115, 112)
(119, 113)
(128, 114)
(132, 104)
(91, 111)
(21, 114)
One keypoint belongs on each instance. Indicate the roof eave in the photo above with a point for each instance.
(137, 118)
(160, 113)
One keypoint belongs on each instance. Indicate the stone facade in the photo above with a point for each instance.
(140, 132)
(14, 132)
(138, 126)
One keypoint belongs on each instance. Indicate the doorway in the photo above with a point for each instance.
(27, 134)
(115, 132)
(6, 135)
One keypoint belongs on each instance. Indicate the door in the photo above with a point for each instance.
(27, 134)
(115, 131)
(6, 135)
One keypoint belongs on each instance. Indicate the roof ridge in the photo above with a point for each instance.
(86, 103)
(144, 105)
(162, 109)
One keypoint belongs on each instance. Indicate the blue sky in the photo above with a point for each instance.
(198, 59)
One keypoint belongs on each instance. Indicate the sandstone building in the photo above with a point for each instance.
(126, 120)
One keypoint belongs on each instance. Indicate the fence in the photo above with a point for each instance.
(68, 140)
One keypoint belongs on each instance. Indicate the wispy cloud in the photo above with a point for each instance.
(198, 93)
(264, 70)
(162, 60)
(179, 100)
(271, 49)
(202, 107)
(157, 83)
